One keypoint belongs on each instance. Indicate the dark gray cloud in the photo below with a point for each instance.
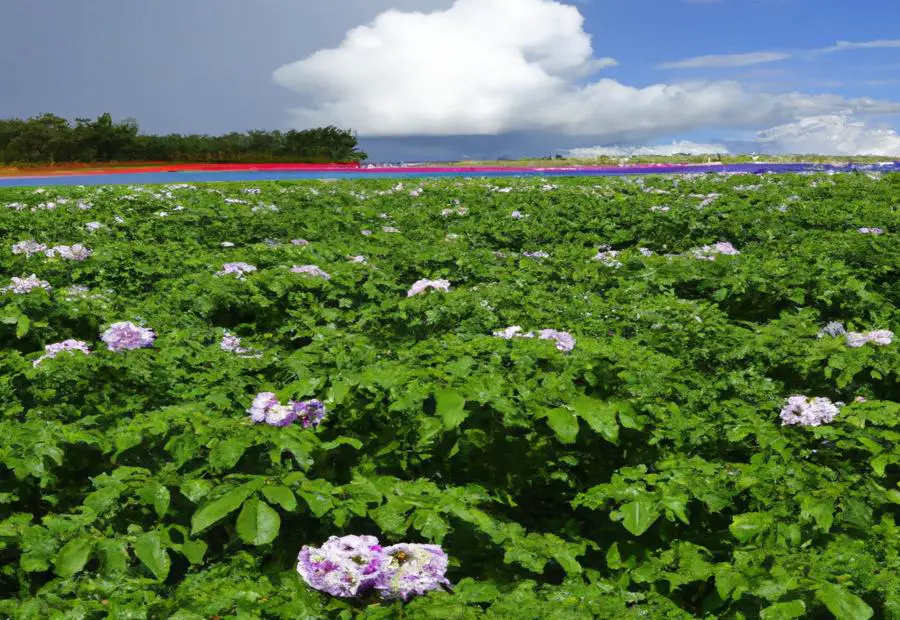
(200, 66)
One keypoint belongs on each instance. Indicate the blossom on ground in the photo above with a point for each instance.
(227, 244)
(358, 259)
(660, 208)
(517, 215)
(389, 229)
(366, 232)
(74, 252)
(310, 270)
(18, 206)
(538, 254)
(28, 247)
(51, 350)
(645, 252)
(709, 252)
(126, 335)
(564, 340)
(880, 337)
(420, 286)
(411, 569)
(92, 226)
(239, 269)
(805, 411)
(299, 242)
(20, 286)
(343, 566)
(871, 231)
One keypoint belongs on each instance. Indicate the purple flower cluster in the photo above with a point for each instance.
(232, 344)
(564, 340)
(871, 231)
(28, 247)
(420, 286)
(608, 257)
(881, 337)
(266, 408)
(74, 252)
(126, 335)
(20, 286)
(299, 242)
(709, 252)
(239, 269)
(350, 566)
(310, 270)
(538, 254)
(51, 350)
(805, 411)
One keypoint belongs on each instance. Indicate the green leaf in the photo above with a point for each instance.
(149, 550)
(451, 407)
(258, 523)
(73, 556)
(22, 326)
(194, 550)
(282, 496)
(639, 515)
(196, 489)
(218, 509)
(564, 424)
(156, 495)
(821, 510)
(113, 556)
(784, 611)
(748, 525)
(225, 454)
(843, 604)
(600, 416)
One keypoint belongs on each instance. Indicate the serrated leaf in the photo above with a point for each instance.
(639, 515)
(451, 408)
(258, 523)
(73, 556)
(843, 604)
(564, 424)
(280, 495)
(150, 551)
(217, 510)
(431, 525)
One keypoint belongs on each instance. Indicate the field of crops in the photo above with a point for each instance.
(598, 398)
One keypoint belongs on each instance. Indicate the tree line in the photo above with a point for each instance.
(49, 139)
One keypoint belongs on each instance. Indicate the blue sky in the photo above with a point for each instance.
(445, 78)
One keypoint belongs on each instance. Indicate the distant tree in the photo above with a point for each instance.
(49, 138)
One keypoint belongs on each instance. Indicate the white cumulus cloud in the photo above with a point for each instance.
(490, 67)
(679, 147)
(831, 134)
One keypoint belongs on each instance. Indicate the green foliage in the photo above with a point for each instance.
(645, 474)
(51, 139)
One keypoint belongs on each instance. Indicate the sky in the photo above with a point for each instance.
(448, 79)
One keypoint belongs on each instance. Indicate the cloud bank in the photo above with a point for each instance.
(488, 67)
